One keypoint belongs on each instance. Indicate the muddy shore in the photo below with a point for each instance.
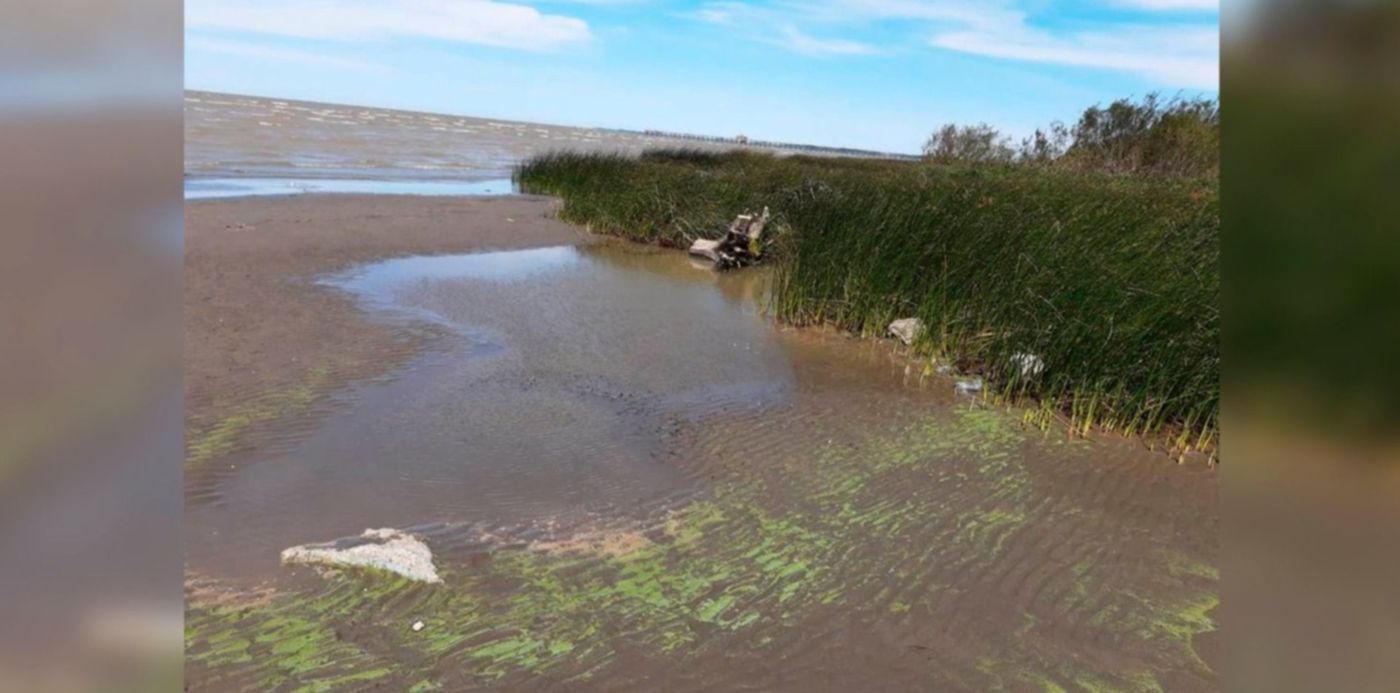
(257, 325)
(854, 525)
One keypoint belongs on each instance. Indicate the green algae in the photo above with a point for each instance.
(1161, 628)
(1181, 565)
(731, 565)
(988, 528)
(1175, 620)
(222, 437)
(286, 646)
(1003, 675)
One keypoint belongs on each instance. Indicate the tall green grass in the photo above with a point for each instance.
(1111, 281)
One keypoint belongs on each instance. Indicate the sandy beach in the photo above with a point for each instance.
(255, 321)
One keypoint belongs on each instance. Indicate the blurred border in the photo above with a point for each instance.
(1311, 164)
(90, 392)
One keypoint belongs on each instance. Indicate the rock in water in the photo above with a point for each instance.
(385, 549)
(907, 329)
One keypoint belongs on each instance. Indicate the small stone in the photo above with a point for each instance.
(417, 626)
(906, 329)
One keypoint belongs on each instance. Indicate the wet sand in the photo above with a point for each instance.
(257, 325)
(646, 486)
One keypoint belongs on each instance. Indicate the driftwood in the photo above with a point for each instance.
(741, 245)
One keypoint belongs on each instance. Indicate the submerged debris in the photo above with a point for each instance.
(906, 329)
(385, 549)
(742, 244)
(1031, 365)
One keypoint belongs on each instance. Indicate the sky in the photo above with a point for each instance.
(873, 74)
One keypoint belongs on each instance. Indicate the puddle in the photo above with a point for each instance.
(213, 188)
(628, 475)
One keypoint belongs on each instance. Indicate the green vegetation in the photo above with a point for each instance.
(737, 571)
(1179, 137)
(1110, 280)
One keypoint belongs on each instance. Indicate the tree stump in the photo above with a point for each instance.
(742, 244)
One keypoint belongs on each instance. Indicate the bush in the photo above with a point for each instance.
(1179, 137)
(976, 144)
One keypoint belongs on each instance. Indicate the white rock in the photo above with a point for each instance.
(1030, 364)
(906, 329)
(417, 626)
(385, 549)
(969, 385)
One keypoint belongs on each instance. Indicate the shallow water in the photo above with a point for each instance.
(571, 366)
(742, 505)
(214, 188)
(228, 136)
(264, 145)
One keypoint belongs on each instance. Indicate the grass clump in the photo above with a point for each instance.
(1110, 281)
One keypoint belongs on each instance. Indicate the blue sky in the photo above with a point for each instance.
(877, 74)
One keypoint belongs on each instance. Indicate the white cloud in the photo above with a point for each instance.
(594, 3)
(765, 25)
(796, 41)
(1171, 5)
(970, 13)
(481, 22)
(1182, 56)
(1177, 56)
(253, 50)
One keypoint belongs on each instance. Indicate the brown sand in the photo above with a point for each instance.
(255, 321)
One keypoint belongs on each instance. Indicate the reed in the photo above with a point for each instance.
(1111, 282)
